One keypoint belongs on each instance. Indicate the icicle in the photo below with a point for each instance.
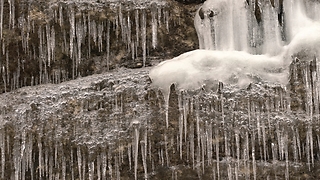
(129, 44)
(254, 166)
(154, 29)
(217, 137)
(185, 117)
(166, 95)
(7, 67)
(3, 155)
(60, 16)
(52, 44)
(11, 13)
(203, 148)
(64, 168)
(41, 54)
(236, 134)
(50, 164)
(110, 164)
(122, 26)
(129, 155)
(298, 144)
(46, 162)
(209, 142)
(295, 151)
(23, 157)
(79, 162)
(191, 144)
(41, 164)
(309, 147)
(1, 17)
(264, 141)
(180, 124)
(144, 37)
(166, 149)
(159, 15)
(161, 159)
(137, 31)
(48, 33)
(198, 136)
(65, 46)
(84, 164)
(29, 154)
(146, 152)
(17, 158)
(22, 25)
(80, 35)
(116, 164)
(166, 17)
(108, 44)
(4, 78)
(136, 149)
(100, 31)
(98, 167)
(91, 170)
(72, 29)
(230, 177)
(286, 149)
(144, 155)
(104, 165)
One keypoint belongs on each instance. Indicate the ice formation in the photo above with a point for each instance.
(229, 56)
(198, 68)
(107, 126)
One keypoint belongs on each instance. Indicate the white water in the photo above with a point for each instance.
(233, 25)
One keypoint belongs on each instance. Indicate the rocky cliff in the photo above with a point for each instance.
(113, 124)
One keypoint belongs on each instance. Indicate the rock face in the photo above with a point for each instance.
(55, 41)
(115, 125)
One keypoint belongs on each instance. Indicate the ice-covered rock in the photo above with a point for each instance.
(196, 68)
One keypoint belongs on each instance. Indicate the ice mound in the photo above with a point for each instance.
(198, 68)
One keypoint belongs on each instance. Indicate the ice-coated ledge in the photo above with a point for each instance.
(113, 125)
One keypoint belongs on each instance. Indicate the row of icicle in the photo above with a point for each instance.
(74, 31)
(214, 137)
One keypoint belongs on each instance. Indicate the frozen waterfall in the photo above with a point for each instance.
(81, 105)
